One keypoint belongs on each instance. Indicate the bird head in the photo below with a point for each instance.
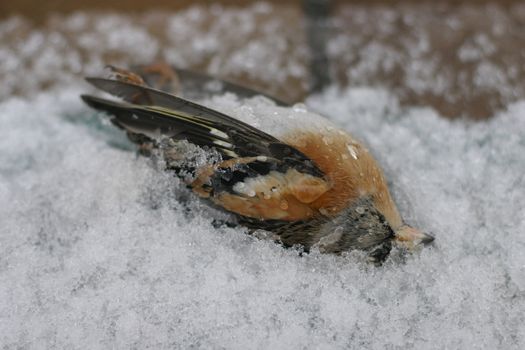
(362, 226)
(359, 226)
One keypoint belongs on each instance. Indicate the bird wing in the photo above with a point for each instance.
(199, 85)
(259, 177)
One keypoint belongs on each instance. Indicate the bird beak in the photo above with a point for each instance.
(411, 237)
(427, 238)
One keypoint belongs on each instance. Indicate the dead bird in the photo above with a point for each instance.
(309, 187)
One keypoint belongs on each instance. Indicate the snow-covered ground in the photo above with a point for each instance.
(98, 248)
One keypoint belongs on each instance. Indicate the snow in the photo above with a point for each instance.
(99, 248)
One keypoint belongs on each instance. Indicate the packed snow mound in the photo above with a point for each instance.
(99, 248)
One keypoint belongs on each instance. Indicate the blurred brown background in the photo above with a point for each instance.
(38, 10)
(463, 58)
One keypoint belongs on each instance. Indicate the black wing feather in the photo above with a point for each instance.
(155, 113)
(142, 95)
(199, 85)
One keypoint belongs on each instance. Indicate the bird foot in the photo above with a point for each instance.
(126, 76)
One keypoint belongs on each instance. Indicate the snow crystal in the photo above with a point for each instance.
(270, 118)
